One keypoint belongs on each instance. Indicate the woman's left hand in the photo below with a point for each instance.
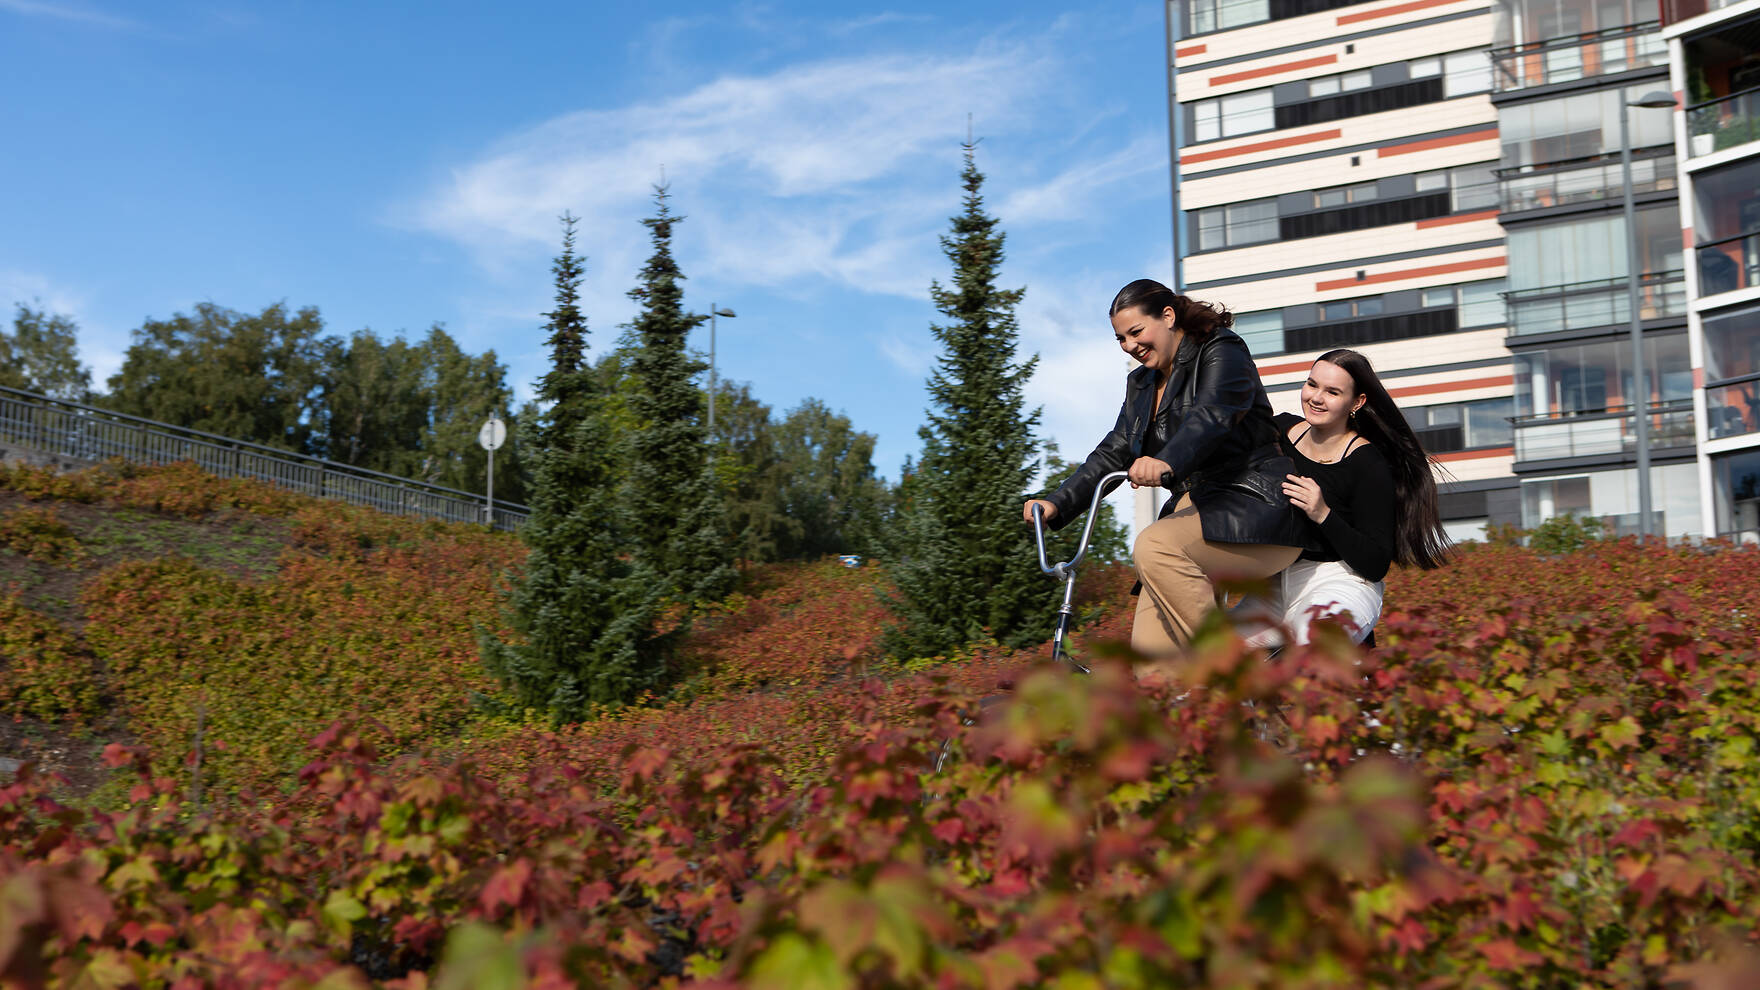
(1304, 494)
(1146, 472)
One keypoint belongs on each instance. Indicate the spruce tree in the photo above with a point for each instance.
(582, 620)
(678, 525)
(963, 564)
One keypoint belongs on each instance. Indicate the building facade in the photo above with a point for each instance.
(1335, 185)
(1714, 60)
(1443, 185)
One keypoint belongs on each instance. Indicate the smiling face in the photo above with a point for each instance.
(1329, 395)
(1148, 338)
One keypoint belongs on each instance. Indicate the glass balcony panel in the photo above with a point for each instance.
(1723, 123)
(1562, 59)
(1732, 410)
(1594, 304)
(1730, 264)
(1588, 180)
(1548, 437)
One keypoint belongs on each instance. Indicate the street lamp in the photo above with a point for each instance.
(1640, 387)
(713, 313)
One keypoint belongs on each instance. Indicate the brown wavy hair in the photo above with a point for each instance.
(1197, 318)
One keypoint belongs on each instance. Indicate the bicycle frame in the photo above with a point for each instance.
(1065, 571)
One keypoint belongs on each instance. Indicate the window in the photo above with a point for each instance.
(1431, 181)
(1582, 126)
(1242, 113)
(1732, 345)
(1343, 82)
(1361, 192)
(1262, 331)
(1347, 309)
(1471, 187)
(1217, 15)
(1586, 379)
(1482, 303)
(1593, 248)
(1237, 224)
(1466, 72)
(1443, 296)
(1462, 425)
(1424, 68)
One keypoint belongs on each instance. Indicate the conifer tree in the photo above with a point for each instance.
(678, 525)
(582, 619)
(963, 562)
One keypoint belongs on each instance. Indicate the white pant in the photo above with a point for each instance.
(1315, 589)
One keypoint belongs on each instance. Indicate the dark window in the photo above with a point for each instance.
(1350, 333)
(1281, 9)
(1409, 94)
(1361, 216)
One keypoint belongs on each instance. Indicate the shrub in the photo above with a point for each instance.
(44, 672)
(39, 534)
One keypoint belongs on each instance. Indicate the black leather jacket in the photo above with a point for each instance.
(1214, 430)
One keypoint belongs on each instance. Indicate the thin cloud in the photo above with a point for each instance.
(62, 11)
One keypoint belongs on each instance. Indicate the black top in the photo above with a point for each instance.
(1358, 487)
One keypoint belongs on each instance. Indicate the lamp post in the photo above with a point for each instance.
(713, 313)
(1640, 387)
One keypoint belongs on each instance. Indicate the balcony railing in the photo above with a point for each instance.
(1600, 303)
(1550, 436)
(1723, 123)
(1582, 180)
(80, 432)
(1732, 410)
(1556, 60)
(1730, 264)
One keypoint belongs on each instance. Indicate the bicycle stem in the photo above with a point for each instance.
(1066, 570)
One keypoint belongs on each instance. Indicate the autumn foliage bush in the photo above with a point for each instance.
(1544, 776)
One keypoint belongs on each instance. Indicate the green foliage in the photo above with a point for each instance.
(41, 354)
(678, 537)
(582, 636)
(44, 672)
(38, 533)
(254, 377)
(963, 566)
(1566, 533)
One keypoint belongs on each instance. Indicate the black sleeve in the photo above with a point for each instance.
(1226, 390)
(1073, 497)
(1366, 542)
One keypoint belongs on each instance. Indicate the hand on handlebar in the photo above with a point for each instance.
(1149, 472)
(1050, 509)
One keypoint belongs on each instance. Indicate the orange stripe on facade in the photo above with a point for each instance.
(1398, 8)
(1462, 218)
(1405, 273)
(1190, 50)
(1247, 149)
(1489, 134)
(1455, 386)
(1284, 369)
(1467, 455)
(1272, 70)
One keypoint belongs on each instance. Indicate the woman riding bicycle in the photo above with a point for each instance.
(1195, 419)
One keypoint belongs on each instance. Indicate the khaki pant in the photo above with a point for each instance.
(1178, 568)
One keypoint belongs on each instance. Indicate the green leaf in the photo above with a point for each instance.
(341, 911)
(794, 963)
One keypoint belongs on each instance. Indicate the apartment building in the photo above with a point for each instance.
(1714, 56)
(1336, 185)
(1569, 79)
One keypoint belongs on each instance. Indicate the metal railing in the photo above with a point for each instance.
(1580, 56)
(1582, 180)
(1548, 436)
(1723, 123)
(1597, 303)
(85, 433)
(1729, 264)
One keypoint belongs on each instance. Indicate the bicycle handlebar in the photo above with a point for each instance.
(1061, 570)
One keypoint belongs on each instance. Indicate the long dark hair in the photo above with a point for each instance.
(1418, 536)
(1198, 319)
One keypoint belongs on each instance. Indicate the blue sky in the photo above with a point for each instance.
(400, 165)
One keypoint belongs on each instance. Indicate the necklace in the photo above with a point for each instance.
(1319, 450)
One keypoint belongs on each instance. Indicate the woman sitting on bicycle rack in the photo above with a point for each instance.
(1196, 420)
(1364, 480)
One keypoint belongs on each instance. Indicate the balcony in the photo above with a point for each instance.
(1729, 264)
(1582, 180)
(1600, 303)
(1723, 122)
(1551, 436)
(1557, 60)
(1732, 410)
